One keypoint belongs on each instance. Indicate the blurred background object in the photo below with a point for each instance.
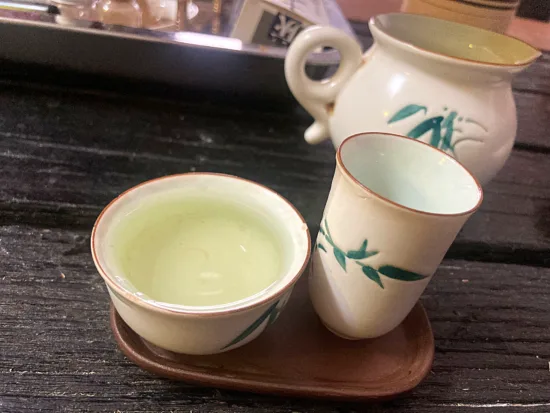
(159, 14)
(535, 9)
(181, 53)
(122, 12)
(75, 9)
(277, 22)
(274, 22)
(530, 24)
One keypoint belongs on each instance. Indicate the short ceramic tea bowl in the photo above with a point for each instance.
(205, 329)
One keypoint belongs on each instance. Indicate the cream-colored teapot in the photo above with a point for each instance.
(444, 83)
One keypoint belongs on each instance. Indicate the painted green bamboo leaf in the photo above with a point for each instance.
(371, 254)
(442, 129)
(360, 255)
(329, 237)
(340, 257)
(252, 327)
(273, 316)
(326, 233)
(425, 126)
(407, 111)
(396, 273)
(436, 137)
(448, 126)
(372, 274)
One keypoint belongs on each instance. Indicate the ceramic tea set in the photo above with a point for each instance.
(429, 97)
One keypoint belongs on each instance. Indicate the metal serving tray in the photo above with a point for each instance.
(33, 33)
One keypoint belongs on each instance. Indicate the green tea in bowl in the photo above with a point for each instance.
(197, 251)
(200, 263)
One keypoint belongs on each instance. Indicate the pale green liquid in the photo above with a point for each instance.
(196, 252)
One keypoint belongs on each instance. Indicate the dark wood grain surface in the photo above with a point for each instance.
(65, 152)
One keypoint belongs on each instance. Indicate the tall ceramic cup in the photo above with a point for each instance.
(395, 206)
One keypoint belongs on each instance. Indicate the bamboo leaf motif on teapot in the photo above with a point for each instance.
(443, 127)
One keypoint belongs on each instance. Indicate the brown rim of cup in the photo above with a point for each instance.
(349, 175)
(123, 293)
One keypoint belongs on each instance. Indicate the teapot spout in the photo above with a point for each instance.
(528, 54)
(516, 54)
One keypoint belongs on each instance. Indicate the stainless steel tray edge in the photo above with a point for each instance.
(181, 58)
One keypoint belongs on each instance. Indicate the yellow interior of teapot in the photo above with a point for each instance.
(454, 39)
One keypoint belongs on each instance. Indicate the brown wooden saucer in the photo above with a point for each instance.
(298, 356)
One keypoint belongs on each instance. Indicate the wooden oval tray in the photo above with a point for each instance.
(298, 356)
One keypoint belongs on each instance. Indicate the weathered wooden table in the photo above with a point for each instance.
(66, 151)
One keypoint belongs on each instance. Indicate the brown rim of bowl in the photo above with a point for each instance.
(373, 22)
(262, 299)
(349, 175)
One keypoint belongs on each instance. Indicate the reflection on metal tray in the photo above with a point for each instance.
(34, 33)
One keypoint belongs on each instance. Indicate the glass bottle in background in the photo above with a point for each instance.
(197, 15)
(217, 18)
(159, 14)
(75, 9)
(121, 12)
(182, 16)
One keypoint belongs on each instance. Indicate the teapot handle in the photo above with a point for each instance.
(313, 95)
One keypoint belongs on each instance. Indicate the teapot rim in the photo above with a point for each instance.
(376, 26)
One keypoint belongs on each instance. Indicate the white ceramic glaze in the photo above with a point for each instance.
(444, 83)
(208, 329)
(394, 208)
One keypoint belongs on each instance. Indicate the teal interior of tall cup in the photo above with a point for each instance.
(409, 173)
